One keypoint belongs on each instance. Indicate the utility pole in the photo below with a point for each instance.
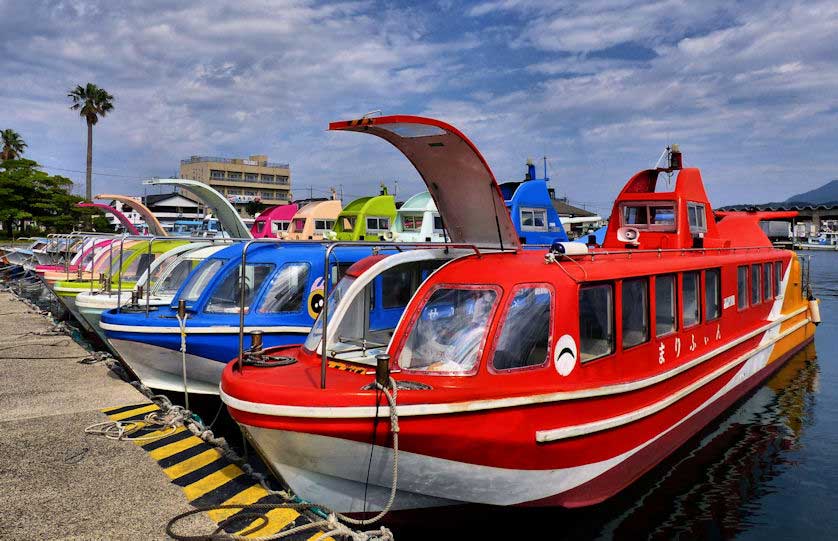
(310, 192)
(341, 192)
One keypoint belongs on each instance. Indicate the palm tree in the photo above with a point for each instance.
(13, 145)
(91, 102)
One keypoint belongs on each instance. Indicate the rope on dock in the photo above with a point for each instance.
(334, 523)
(171, 416)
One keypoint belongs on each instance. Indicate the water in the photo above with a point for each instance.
(765, 470)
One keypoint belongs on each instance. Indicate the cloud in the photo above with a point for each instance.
(746, 88)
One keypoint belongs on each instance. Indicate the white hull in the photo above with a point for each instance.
(162, 368)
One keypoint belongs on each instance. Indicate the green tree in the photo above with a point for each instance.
(91, 102)
(252, 208)
(29, 195)
(13, 145)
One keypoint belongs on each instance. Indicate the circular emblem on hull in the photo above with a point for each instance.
(316, 299)
(565, 355)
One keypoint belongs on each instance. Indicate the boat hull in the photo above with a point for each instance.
(503, 463)
(156, 358)
(162, 368)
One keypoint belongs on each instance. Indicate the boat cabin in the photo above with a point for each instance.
(313, 221)
(272, 222)
(532, 211)
(366, 218)
(417, 220)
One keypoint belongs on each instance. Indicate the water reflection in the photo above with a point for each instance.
(705, 490)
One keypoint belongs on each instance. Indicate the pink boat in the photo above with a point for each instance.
(273, 221)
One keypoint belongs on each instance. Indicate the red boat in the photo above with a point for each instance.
(525, 377)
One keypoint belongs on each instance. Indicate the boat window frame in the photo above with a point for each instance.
(534, 210)
(755, 284)
(646, 312)
(277, 272)
(743, 297)
(420, 306)
(778, 278)
(674, 304)
(699, 225)
(718, 273)
(611, 316)
(327, 224)
(767, 285)
(698, 299)
(256, 295)
(501, 323)
(379, 228)
(648, 205)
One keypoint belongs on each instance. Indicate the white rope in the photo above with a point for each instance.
(182, 322)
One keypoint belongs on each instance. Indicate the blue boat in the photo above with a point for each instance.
(532, 211)
(283, 296)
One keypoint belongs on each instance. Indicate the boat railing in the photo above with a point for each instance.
(329, 248)
(151, 240)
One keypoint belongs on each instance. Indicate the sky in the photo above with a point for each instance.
(748, 89)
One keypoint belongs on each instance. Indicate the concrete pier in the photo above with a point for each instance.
(56, 482)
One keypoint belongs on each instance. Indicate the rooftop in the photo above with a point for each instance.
(253, 160)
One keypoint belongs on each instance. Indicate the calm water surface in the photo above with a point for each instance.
(766, 469)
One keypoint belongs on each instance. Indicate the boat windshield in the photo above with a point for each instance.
(316, 333)
(412, 222)
(200, 278)
(138, 265)
(226, 297)
(449, 333)
(169, 281)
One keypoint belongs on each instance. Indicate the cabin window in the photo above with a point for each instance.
(299, 224)
(665, 320)
(766, 282)
(712, 294)
(449, 333)
(226, 297)
(260, 226)
(533, 219)
(652, 216)
(175, 278)
(690, 307)
(281, 225)
(755, 288)
(322, 226)
(348, 223)
(596, 321)
(524, 338)
(377, 224)
(138, 266)
(200, 278)
(287, 289)
(395, 288)
(697, 218)
(742, 287)
(438, 225)
(635, 299)
(778, 277)
(411, 223)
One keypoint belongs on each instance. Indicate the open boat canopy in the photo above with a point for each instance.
(230, 220)
(459, 179)
(123, 219)
(154, 227)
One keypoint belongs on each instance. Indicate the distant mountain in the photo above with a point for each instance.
(825, 194)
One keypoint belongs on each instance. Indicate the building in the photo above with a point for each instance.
(242, 180)
(577, 222)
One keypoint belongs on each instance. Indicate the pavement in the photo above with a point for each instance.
(56, 482)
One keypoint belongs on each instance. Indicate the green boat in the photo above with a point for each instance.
(367, 218)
